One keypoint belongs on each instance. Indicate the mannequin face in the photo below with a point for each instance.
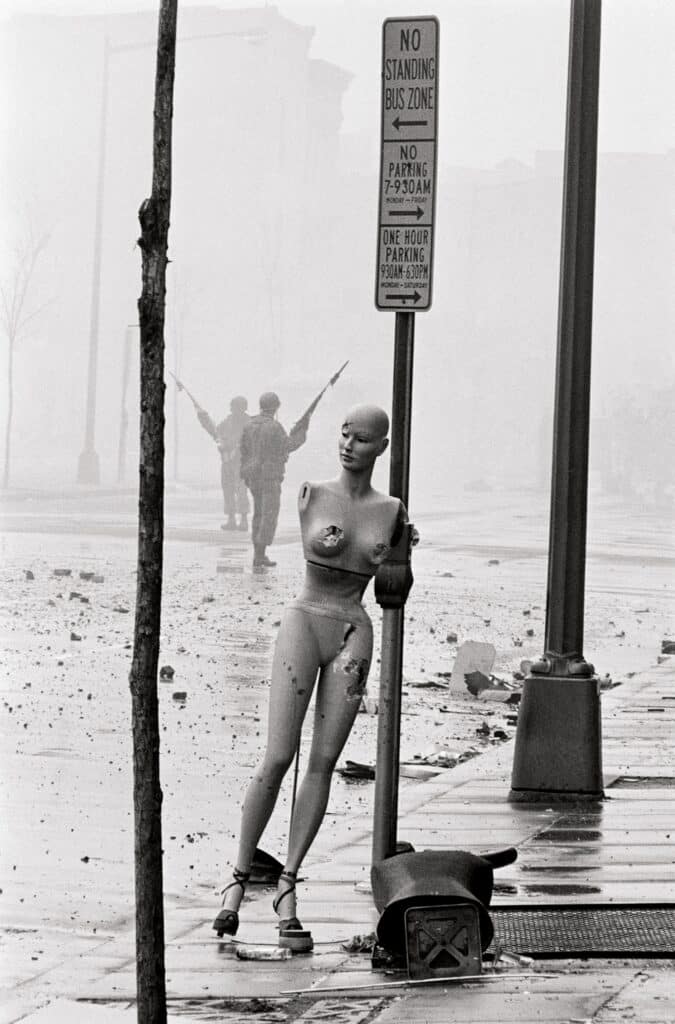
(363, 436)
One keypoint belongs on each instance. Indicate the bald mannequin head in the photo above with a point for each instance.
(370, 418)
(363, 437)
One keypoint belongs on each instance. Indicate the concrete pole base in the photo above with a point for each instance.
(558, 749)
(88, 470)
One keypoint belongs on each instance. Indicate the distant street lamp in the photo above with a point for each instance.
(124, 416)
(88, 467)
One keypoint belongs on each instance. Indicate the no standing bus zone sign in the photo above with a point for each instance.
(407, 163)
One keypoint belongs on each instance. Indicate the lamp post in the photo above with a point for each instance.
(558, 742)
(88, 468)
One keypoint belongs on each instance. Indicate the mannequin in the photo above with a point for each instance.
(347, 530)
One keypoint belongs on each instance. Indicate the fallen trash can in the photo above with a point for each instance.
(433, 909)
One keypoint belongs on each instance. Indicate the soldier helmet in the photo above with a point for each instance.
(269, 401)
(239, 404)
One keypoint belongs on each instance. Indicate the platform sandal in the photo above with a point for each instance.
(227, 921)
(291, 933)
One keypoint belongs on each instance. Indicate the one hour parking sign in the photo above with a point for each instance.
(408, 163)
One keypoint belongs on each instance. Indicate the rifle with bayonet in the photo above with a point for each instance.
(303, 422)
(181, 387)
(202, 415)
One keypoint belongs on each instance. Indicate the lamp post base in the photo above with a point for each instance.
(88, 470)
(558, 749)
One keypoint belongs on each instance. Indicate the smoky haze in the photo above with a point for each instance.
(273, 235)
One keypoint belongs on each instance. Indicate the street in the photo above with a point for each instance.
(67, 860)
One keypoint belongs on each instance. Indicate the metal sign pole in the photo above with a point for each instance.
(403, 284)
(391, 658)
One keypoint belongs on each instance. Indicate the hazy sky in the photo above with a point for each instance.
(521, 43)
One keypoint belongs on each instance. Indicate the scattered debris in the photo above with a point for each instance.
(75, 636)
(505, 958)
(120, 608)
(355, 770)
(360, 943)
(529, 632)
(668, 647)
(472, 656)
(476, 681)
(448, 575)
(416, 771)
(440, 757)
(369, 705)
(493, 561)
(180, 695)
(74, 595)
(62, 572)
(167, 672)
(451, 638)
(263, 953)
(97, 579)
(29, 575)
(86, 575)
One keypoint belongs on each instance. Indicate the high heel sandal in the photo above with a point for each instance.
(227, 921)
(291, 933)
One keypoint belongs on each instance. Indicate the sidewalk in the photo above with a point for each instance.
(619, 851)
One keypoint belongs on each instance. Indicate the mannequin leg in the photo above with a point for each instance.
(341, 685)
(294, 669)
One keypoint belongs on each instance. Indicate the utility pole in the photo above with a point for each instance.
(558, 740)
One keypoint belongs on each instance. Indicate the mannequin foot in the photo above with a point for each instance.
(291, 933)
(229, 524)
(227, 921)
(243, 524)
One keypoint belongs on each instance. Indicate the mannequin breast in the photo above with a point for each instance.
(344, 533)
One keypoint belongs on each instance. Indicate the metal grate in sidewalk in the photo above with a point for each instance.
(627, 930)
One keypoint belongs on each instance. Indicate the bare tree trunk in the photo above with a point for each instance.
(154, 218)
(10, 410)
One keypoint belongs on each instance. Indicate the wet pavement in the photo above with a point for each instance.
(617, 851)
(67, 904)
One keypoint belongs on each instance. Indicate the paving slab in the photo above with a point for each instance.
(526, 999)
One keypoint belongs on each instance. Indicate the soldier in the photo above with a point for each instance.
(265, 447)
(227, 436)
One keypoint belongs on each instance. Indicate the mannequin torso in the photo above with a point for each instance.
(341, 532)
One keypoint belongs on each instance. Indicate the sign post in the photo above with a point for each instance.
(403, 284)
